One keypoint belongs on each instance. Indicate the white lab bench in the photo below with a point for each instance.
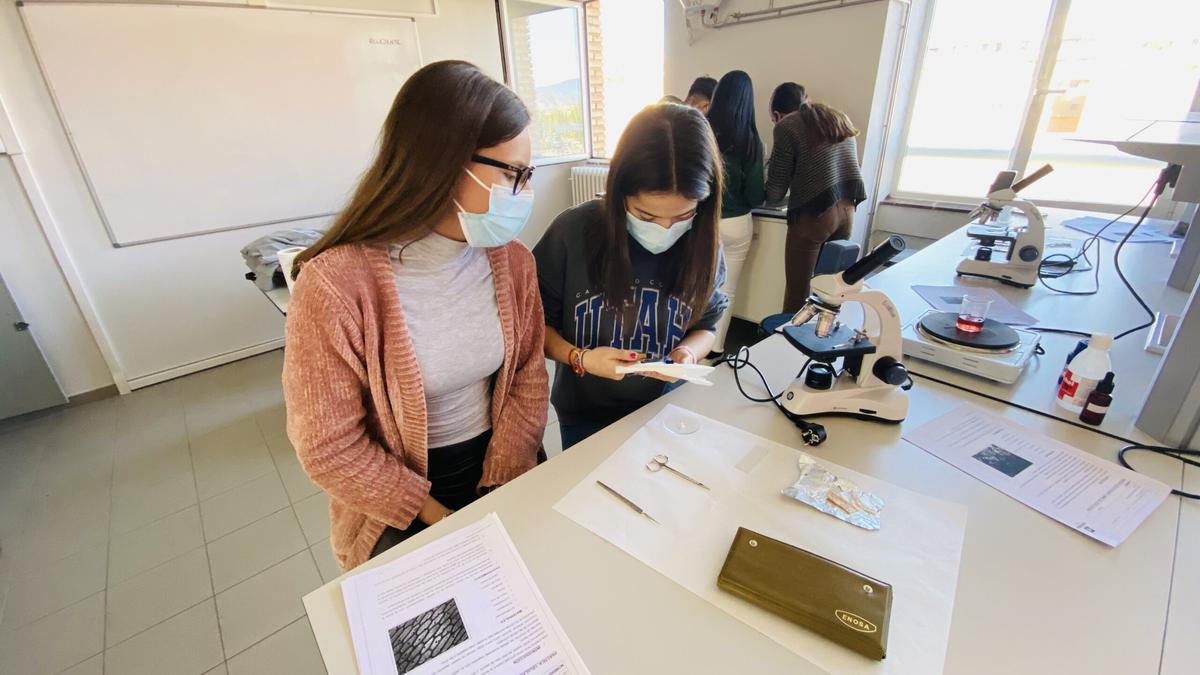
(1033, 596)
(1112, 310)
(280, 297)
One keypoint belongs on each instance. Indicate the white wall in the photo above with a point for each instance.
(36, 282)
(172, 307)
(836, 54)
(552, 195)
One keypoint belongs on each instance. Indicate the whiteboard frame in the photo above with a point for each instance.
(108, 230)
(434, 9)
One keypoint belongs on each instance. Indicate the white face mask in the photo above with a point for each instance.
(652, 236)
(505, 218)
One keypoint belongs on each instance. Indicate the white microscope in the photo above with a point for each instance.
(1018, 261)
(872, 381)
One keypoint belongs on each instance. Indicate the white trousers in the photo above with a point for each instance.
(736, 234)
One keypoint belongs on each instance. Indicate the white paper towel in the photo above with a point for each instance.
(287, 256)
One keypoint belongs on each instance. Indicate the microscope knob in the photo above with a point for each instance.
(890, 371)
(983, 253)
(1028, 253)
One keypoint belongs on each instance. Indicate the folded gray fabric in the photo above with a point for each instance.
(261, 255)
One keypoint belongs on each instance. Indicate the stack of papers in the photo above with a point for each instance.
(462, 604)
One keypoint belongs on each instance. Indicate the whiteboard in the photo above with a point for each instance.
(195, 119)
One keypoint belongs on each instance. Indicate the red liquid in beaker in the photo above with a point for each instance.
(969, 324)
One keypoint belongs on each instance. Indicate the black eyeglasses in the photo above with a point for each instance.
(523, 173)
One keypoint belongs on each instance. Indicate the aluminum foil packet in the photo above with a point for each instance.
(838, 497)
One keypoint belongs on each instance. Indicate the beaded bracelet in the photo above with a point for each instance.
(576, 360)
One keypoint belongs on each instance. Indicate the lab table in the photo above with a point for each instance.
(1111, 310)
(1181, 649)
(279, 296)
(1032, 595)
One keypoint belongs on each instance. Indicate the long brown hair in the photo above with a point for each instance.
(824, 124)
(666, 148)
(440, 117)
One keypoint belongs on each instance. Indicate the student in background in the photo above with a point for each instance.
(413, 375)
(816, 156)
(787, 99)
(701, 92)
(635, 274)
(731, 115)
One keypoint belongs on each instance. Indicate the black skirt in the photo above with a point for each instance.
(454, 475)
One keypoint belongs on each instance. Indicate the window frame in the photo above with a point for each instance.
(1022, 146)
(508, 58)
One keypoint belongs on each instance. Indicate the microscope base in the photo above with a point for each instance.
(880, 403)
(1021, 277)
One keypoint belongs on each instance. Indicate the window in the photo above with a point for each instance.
(623, 56)
(1008, 85)
(625, 41)
(546, 73)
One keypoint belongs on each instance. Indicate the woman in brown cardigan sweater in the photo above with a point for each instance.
(413, 372)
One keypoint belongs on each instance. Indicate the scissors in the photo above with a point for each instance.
(659, 462)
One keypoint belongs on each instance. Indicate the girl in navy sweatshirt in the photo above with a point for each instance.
(637, 274)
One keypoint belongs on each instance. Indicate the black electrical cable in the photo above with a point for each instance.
(1068, 262)
(811, 432)
(1176, 453)
(1121, 274)
(1165, 177)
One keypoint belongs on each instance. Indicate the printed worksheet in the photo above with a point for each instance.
(1097, 497)
(465, 603)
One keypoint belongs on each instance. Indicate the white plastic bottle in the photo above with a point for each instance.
(1084, 372)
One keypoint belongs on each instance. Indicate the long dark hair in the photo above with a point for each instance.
(440, 117)
(666, 148)
(731, 115)
(826, 125)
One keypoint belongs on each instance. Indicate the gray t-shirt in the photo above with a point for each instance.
(575, 307)
(449, 299)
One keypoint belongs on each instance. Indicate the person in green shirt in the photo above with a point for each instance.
(731, 115)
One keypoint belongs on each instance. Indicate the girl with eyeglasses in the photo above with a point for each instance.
(637, 274)
(413, 372)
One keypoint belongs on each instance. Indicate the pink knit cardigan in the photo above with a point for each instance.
(355, 399)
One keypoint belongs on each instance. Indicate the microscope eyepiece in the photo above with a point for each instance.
(874, 260)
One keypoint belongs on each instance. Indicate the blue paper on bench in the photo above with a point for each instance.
(1150, 232)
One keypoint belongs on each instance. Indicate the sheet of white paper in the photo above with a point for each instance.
(462, 604)
(691, 372)
(917, 550)
(1099, 498)
(949, 298)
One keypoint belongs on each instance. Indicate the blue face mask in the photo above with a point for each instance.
(652, 236)
(505, 218)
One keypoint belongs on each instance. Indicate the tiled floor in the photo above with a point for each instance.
(168, 531)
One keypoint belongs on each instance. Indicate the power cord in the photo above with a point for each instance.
(1067, 264)
(1176, 453)
(1166, 177)
(811, 432)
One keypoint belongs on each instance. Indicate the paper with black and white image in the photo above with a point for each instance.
(949, 299)
(1097, 497)
(465, 603)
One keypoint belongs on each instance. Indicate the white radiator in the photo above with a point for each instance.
(587, 181)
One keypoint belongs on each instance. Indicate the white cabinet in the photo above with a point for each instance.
(760, 290)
